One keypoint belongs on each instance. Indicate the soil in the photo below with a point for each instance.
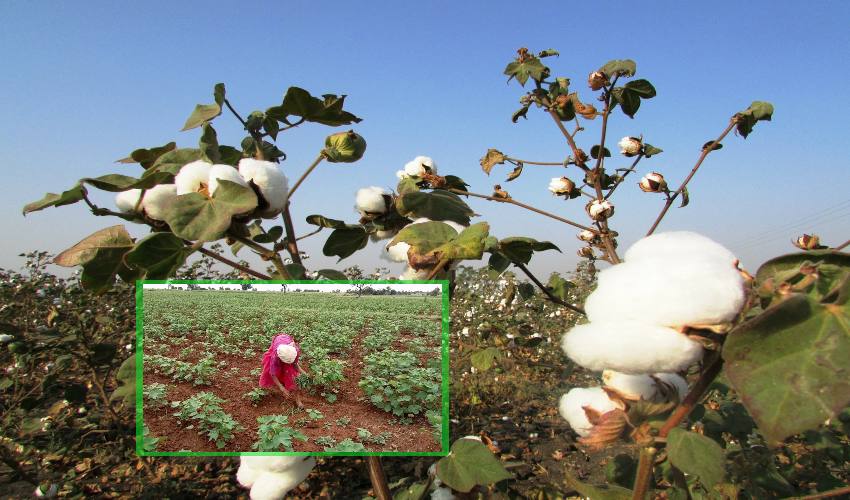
(417, 436)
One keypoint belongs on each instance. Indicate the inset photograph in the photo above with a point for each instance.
(320, 368)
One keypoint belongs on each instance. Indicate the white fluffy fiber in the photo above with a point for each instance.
(636, 387)
(126, 200)
(630, 347)
(225, 173)
(412, 274)
(191, 176)
(270, 180)
(418, 166)
(679, 245)
(370, 200)
(382, 235)
(668, 292)
(271, 477)
(572, 406)
(154, 203)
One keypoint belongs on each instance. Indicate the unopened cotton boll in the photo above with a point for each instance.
(668, 293)
(681, 244)
(157, 200)
(419, 166)
(572, 406)
(371, 200)
(636, 387)
(126, 200)
(193, 177)
(561, 185)
(224, 173)
(269, 180)
(630, 347)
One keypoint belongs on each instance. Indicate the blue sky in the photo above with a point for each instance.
(83, 86)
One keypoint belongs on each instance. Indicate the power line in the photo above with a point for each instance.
(809, 220)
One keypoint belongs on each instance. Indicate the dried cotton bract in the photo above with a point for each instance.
(272, 477)
(659, 387)
(572, 407)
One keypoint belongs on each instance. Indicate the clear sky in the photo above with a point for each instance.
(85, 83)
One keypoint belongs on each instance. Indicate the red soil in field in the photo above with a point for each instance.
(351, 403)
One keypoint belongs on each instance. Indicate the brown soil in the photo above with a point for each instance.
(351, 403)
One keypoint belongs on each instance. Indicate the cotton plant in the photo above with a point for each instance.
(272, 477)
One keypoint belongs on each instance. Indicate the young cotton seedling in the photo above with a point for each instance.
(269, 180)
(578, 402)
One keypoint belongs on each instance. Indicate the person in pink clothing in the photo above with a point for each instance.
(281, 365)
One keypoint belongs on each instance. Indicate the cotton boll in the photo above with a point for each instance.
(572, 406)
(269, 463)
(398, 252)
(441, 493)
(683, 244)
(382, 235)
(225, 173)
(412, 274)
(370, 200)
(668, 293)
(272, 485)
(401, 175)
(630, 347)
(636, 387)
(247, 475)
(157, 200)
(193, 177)
(675, 380)
(126, 200)
(271, 182)
(419, 166)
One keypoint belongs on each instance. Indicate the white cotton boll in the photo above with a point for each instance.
(157, 200)
(247, 475)
(370, 200)
(681, 244)
(398, 252)
(192, 177)
(270, 180)
(419, 166)
(382, 235)
(630, 347)
(635, 387)
(273, 463)
(572, 406)
(676, 381)
(272, 485)
(668, 293)
(412, 274)
(126, 200)
(441, 493)
(401, 175)
(225, 173)
(454, 225)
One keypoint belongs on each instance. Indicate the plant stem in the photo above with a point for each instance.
(644, 473)
(705, 151)
(825, 494)
(291, 240)
(545, 290)
(311, 233)
(545, 163)
(523, 205)
(623, 178)
(440, 265)
(304, 176)
(842, 246)
(103, 396)
(235, 265)
(258, 139)
(264, 252)
(379, 479)
(607, 239)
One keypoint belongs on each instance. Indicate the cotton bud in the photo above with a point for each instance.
(630, 347)
(588, 236)
(597, 80)
(575, 404)
(344, 147)
(561, 186)
(224, 173)
(371, 201)
(657, 388)
(808, 242)
(630, 146)
(600, 210)
(653, 182)
(270, 182)
(193, 177)
(419, 166)
(585, 252)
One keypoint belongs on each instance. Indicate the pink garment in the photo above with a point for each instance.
(273, 367)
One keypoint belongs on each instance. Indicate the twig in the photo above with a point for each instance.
(291, 245)
(264, 252)
(824, 494)
(258, 138)
(623, 178)
(705, 151)
(311, 233)
(235, 265)
(644, 473)
(523, 205)
(440, 265)
(529, 162)
(549, 294)
(842, 246)
(607, 239)
(379, 479)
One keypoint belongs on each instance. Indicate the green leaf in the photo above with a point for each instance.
(526, 290)
(756, 112)
(426, 236)
(686, 197)
(470, 463)
(548, 53)
(415, 491)
(621, 470)
(116, 182)
(297, 271)
(829, 267)
(159, 255)
(499, 262)
(344, 241)
(469, 244)
(195, 217)
(208, 144)
(229, 155)
(642, 88)
(531, 67)
(299, 102)
(255, 121)
(695, 454)
(147, 157)
(789, 364)
(455, 182)
(68, 197)
(102, 256)
(483, 359)
(520, 113)
(649, 150)
(714, 145)
(172, 161)
(594, 152)
(322, 221)
(114, 237)
(200, 115)
(126, 377)
(271, 236)
(619, 67)
(558, 286)
(629, 100)
(436, 205)
(605, 492)
(520, 249)
(271, 127)
(332, 274)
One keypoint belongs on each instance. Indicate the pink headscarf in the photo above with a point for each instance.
(273, 367)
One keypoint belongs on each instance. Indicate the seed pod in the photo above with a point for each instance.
(586, 252)
(344, 147)
(808, 242)
(653, 182)
(597, 80)
(630, 146)
(588, 236)
(600, 210)
(561, 186)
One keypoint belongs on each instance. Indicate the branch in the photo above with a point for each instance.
(523, 205)
(842, 246)
(291, 245)
(706, 150)
(825, 494)
(265, 253)
(309, 234)
(644, 473)
(235, 265)
(549, 294)
(623, 178)
(258, 138)
(607, 239)
(379, 479)
(304, 176)
(545, 163)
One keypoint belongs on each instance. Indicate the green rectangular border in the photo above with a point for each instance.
(140, 369)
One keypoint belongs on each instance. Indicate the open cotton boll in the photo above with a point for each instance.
(269, 180)
(126, 200)
(412, 274)
(418, 166)
(636, 387)
(572, 406)
(630, 347)
(398, 252)
(226, 173)
(193, 177)
(157, 200)
(246, 475)
(454, 225)
(684, 244)
(370, 200)
(382, 235)
(273, 485)
(668, 293)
